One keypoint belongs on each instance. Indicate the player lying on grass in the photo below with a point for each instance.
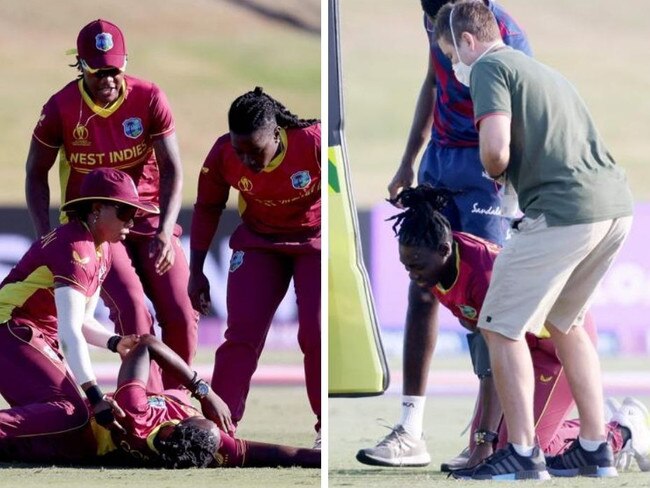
(162, 429)
(454, 269)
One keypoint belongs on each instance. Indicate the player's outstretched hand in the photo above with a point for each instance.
(403, 179)
(127, 343)
(215, 409)
(161, 249)
(198, 289)
(106, 412)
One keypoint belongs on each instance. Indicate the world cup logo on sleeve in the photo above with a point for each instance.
(236, 260)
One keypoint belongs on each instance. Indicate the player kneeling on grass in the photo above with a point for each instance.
(454, 268)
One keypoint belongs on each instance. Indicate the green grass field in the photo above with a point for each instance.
(353, 426)
(595, 43)
(362, 422)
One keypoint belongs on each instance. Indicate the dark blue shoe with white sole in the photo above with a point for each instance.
(506, 464)
(577, 461)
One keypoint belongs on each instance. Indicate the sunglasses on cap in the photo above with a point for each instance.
(125, 212)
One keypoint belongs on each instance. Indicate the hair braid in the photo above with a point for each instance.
(422, 224)
(188, 446)
(255, 109)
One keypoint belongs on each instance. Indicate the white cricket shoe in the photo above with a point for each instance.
(399, 448)
(612, 405)
(634, 415)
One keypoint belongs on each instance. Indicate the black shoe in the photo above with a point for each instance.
(506, 464)
(576, 461)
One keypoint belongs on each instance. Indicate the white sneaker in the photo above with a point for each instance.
(317, 441)
(612, 405)
(398, 448)
(634, 415)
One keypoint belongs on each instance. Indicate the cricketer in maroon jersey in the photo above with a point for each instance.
(46, 312)
(159, 425)
(273, 158)
(161, 429)
(106, 119)
(457, 268)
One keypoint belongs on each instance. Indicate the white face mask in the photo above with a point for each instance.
(462, 70)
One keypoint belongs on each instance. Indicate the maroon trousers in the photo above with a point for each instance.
(553, 400)
(133, 275)
(44, 400)
(260, 273)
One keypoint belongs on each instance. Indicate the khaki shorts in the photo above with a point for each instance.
(549, 274)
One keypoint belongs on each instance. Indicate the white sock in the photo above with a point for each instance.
(413, 414)
(588, 445)
(523, 450)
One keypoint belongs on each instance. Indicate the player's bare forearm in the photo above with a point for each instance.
(136, 364)
(197, 260)
(37, 190)
(422, 118)
(171, 182)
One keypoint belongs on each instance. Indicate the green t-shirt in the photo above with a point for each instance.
(558, 162)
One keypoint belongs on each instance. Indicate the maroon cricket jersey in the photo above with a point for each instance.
(147, 412)
(474, 261)
(119, 136)
(66, 256)
(281, 200)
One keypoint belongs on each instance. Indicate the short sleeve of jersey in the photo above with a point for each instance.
(211, 197)
(489, 89)
(70, 264)
(49, 129)
(162, 119)
(132, 397)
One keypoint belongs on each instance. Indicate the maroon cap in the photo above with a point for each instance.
(101, 45)
(110, 184)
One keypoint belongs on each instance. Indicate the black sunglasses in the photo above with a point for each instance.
(125, 212)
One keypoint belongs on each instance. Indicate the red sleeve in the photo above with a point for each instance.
(317, 138)
(49, 129)
(211, 198)
(73, 264)
(162, 119)
(132, 397)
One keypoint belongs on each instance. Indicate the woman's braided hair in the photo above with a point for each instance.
(255, 109)
(188, 446)
(422, 224)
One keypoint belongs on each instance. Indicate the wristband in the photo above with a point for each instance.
(105, 417)
(94, 395)
(112, 343)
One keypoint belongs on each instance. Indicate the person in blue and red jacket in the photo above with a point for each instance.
(444, 116)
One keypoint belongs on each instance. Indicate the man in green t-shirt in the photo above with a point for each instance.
(536, 135)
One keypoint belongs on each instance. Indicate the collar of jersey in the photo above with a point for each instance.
(101, 111)
(152, 435)
(276, 161)
(438, 286)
